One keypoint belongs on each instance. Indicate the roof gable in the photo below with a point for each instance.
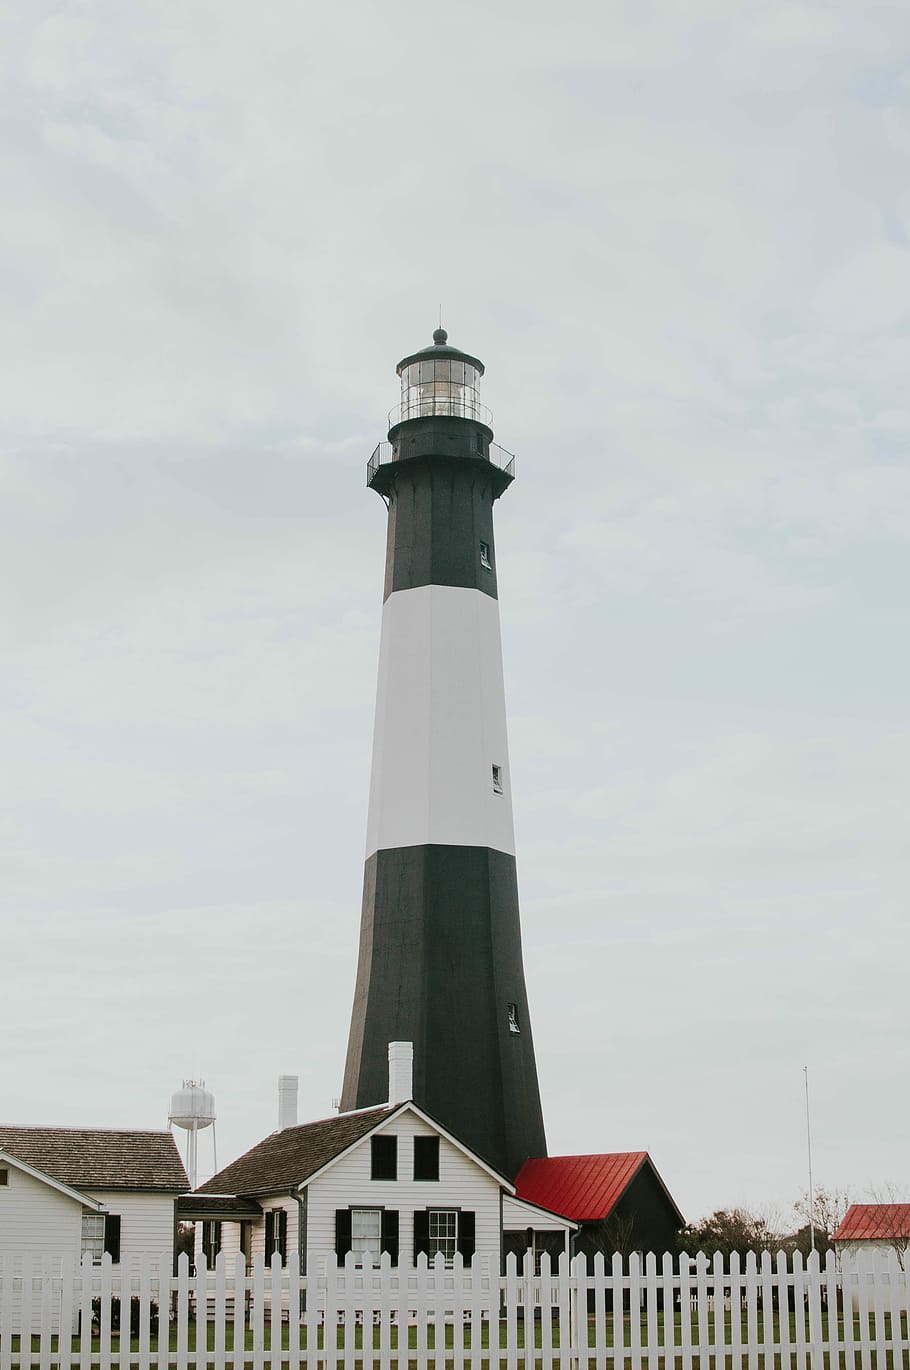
(99, 1158)
(83, 1199)
(874, 1222)
(584, 1188)
(395, 1111)
(287, 1159)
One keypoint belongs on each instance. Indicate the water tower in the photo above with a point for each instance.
(193, 1108)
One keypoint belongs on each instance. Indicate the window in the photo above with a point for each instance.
(383, 1158)
(443, 1231)
(514, 1025)
(485, 558)
(276, 1234)
(4, 1176)
(366, 1229)
(93, 1236)
(426, 1158)
(479, 441)
(497, 779)
(101, 1236)
(368, 1233)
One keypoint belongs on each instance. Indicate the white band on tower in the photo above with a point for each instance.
(440, 724)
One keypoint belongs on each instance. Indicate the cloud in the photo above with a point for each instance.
(677, 239)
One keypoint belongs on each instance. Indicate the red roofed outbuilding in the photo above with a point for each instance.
(883, 1228)
(618, 1198)
(876, 1227)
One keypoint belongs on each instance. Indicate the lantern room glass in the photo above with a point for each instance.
(440, 385)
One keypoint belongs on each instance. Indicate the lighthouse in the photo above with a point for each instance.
(440, 961)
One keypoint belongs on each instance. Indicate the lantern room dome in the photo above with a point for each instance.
(440, 381)
(440, 348)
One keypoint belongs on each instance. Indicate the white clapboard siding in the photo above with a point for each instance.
(462, 1183)
(146, 1220)
(770, 1313)
(35, 1217)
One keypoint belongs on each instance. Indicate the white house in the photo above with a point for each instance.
(882, 1227)
(67, 1191)
(385, 1179)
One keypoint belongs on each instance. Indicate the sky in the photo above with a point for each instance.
(677, 236)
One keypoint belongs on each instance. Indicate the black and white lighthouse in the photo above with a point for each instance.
(440, 942)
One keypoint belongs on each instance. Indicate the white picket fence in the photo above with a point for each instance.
(765, 1314)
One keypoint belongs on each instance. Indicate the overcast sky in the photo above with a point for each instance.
(677, 235)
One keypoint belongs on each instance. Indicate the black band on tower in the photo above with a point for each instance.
(440, 966)
(440, 527)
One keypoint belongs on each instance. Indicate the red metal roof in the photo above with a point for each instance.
(584, 1188)
(874, 1222)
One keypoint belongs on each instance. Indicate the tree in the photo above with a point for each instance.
(894, 1219)
(824, 1214)
(727, 1230)
(615, 1233)
(186, 1240)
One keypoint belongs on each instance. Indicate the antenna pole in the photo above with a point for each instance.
(809, 1157)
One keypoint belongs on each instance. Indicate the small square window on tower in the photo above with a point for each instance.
(485, 559)
(497, 779)
(514, 1025)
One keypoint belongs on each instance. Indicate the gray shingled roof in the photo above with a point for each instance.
(99, 1158)
(288, 1157)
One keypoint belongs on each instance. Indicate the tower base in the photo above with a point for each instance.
(440, 966)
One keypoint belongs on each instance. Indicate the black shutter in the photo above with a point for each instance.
(421, 1233)
(283, 1234)
(383, 1158)
(426, 1158)
(342, 1232)
(112, 1236)
(389, 1233)
(211, 1242)
(269, 1234)
(466, 1236)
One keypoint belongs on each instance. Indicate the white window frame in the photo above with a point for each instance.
(92, 1240)
(366, 1244)
(442, 1228)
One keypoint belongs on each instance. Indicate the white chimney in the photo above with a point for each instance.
(287, 1101)
(401, 1071)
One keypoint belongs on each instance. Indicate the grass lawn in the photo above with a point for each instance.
(528, 1335)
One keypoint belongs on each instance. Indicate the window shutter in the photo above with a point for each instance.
(389, 1233)
(421, 1233)
(269, 1235)
(282, 1242)
(342, 1232)
(112, 1236)
(383, 1158)
(466, 1236)
(426, 1158)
